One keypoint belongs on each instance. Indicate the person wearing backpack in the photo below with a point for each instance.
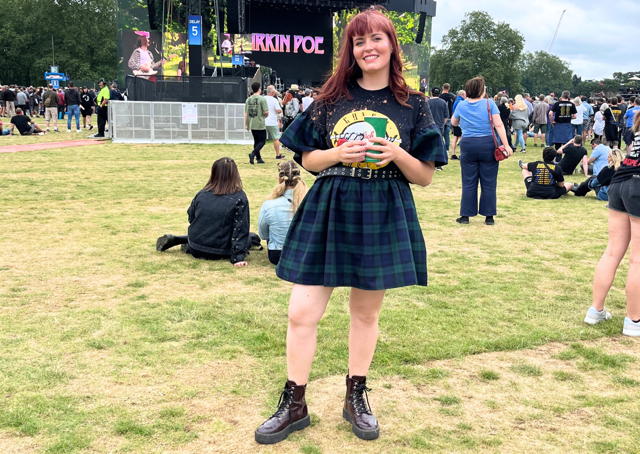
(50, 100)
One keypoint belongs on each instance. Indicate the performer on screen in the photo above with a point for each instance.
(357, 226)
(141, 60)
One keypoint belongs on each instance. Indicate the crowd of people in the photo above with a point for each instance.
(19, 104)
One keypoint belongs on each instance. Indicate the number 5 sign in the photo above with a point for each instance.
(195, 30)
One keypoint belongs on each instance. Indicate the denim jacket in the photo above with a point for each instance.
(219, 224)
(274, 220)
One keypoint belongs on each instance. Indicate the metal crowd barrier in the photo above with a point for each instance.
(162, 122)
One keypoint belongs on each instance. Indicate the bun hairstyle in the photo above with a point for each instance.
(289, 176)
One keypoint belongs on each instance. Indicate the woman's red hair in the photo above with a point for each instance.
(348, 70)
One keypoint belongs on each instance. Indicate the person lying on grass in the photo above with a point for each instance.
(218, 219)
(600, 183)
(544, 179)
(8, 131)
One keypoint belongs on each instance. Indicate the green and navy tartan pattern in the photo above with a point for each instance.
(350, 232)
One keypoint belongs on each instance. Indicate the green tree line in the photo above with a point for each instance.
(83, 34)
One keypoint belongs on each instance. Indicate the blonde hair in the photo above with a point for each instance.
(577, 101)
(616, 158)
(289, 175)
(520, 103)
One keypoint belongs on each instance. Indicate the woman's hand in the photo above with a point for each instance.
(351, 151)
(508, 150)
(239, 264)
(389, 151)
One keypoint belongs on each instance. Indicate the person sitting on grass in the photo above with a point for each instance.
(8, 131)
(572, 153)
(25, 125)
(598, 159)
(544, 179)
(218, 219)
(600, 183)
(277, 212)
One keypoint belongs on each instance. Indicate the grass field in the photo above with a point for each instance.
(108, 346)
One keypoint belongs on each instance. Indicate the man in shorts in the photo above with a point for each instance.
(50, 102)
(540, 112)
(271, 122)
(544, 179)
(457, 132)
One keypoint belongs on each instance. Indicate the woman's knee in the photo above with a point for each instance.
(301, 318)
(365, 317)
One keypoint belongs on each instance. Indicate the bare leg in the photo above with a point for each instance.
(306, 307)
(633, 283)
(567, 186)
(453, 146)
(525, 172)
(363, 333)
(276, 146)
(619, 237)
(543, 140)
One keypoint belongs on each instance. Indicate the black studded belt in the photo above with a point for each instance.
(364, 173)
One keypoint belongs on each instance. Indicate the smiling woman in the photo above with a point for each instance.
(367, 136)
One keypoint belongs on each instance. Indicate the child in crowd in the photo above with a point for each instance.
(277, 212)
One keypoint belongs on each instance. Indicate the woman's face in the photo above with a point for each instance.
(372, 51)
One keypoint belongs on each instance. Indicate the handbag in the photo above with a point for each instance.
(500, 152)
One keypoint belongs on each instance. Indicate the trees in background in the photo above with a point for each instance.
(543, 73)
(479, 46)
(83, 32)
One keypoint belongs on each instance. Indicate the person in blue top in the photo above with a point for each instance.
(277, 212)
(629, 116)
(477, 160)
(586, 117)
(598, 159)
(457, 132)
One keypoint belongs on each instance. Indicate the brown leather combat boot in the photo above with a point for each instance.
(357, 410)
(291, 415)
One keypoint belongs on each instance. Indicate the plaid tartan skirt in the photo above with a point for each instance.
(350, 232)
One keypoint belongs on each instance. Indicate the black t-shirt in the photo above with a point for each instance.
(449, 99)
(572, 156)
(563, 111)
(613, 116)
(86, 100)
(631, 164)
(544, 183)
(9, 95)
(323, 126)
(22, 122)
(606, 175)
(439, 111)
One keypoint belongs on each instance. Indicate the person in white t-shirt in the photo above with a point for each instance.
(307, 100)
(577, 123)
(271, 122)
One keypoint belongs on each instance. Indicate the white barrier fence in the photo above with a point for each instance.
(162, 122)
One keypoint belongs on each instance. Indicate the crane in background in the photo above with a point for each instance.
(553, 40)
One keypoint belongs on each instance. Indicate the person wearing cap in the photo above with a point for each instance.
(103, 111)
(307, 100)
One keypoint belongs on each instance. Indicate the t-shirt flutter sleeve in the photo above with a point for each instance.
(303, 135)
(426, 140)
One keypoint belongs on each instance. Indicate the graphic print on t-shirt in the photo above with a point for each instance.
(353, 127)
(252, 110)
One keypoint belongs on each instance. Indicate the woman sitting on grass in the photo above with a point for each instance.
(277, 212)
(624, 230)
(544, 179)
(218, 219)
(600, 183)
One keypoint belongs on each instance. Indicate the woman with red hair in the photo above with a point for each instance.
(357, 227)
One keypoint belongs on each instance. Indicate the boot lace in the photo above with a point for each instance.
(286, 398)
(360, 398)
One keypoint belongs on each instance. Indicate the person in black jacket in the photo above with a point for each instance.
(218, 219)
(72, 101)
(505, 113)
(86, 107)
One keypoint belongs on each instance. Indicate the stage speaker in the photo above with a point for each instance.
(233, 17)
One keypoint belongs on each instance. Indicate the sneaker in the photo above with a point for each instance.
(520, 164)
(535, 145)
(594, 317)
(251, 156)
(260, 161)
(463, 220)
(90, 127)
(439, 169)
(631, 328)
(524, 150)
(280, 156)
(574, 188)
(455, 157)
(77, 130)
(489, 220)
(55, 130)
(68, 130)
(47, 130)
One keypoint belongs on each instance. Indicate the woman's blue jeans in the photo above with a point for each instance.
(478, 165)
(520, 139)
(73, 111)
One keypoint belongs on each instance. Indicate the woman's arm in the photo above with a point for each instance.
(263, 224)
(455, 121)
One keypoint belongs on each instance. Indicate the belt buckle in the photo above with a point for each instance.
(360, 170)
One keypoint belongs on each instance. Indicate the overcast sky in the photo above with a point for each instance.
(596, 38)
